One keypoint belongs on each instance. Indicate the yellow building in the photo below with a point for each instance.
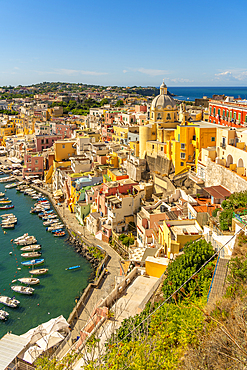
(134, 146)
(64, 150)
(120, 134)
(7, 129)
(156, 266)
(87, 132)
(174, 234)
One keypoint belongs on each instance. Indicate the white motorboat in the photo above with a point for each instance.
(29, 281)
(21, 237)
(55, 226)
(51, 222)
(22, 289)
(3, 315)
(31, 255)
(38, 271)
(11, 186)
(10, 302)
(31, 248)
(26, 241)
(8, 226)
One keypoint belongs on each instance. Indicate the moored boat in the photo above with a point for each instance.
(3, 315)
(61, 233)
(11, 186)
(38, 271)
(10, 302)
(36, 261)
(31, 248)
(2, 194)
(8, 226)
(31, 255)
(7, 206)
(29, 281)
(22, 289)
(26, 241)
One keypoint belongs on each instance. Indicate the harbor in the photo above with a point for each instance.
(58, 290)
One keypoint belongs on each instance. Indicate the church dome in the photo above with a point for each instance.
(163, 101)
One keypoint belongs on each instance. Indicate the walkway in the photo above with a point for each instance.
(217, 288)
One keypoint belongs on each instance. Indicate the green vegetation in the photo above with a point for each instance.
(9, 112)
(126, 240)
(215, 211)
(234, 202)
(96, 253)
(119, 103)
(77, 108)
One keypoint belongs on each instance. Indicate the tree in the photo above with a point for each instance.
(119, 103)
(103, 102)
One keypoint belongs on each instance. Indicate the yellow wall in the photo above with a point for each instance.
(134, 145)
(155, 269)
(63, 150)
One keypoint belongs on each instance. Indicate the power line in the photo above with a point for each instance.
(181, 286)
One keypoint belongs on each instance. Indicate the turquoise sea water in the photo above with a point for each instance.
(55, 295)
(190, 93)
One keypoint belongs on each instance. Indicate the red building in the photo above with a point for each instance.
(228, 112)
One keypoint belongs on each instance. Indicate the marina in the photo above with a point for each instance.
(52, 281)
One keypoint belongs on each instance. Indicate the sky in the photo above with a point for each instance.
(124, 43)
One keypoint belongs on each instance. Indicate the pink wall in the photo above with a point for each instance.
(46, 141)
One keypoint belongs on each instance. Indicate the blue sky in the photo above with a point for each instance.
(188, 43)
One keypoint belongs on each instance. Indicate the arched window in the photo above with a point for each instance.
(168, 116)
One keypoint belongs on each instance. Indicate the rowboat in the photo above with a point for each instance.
(22, 289)
(53, 221)
(31, 255)
(7, 206)
(31, 248)
(73, 267)
(29, 281)
(37, 261)
(5, 215)
(2, 194)
(8, 226)
(61, 233)
(38, 271)
(54, 227)
(11, 302)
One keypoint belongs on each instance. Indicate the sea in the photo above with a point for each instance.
(191, 93)
(58, 289)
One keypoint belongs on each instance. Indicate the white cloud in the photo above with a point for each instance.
(152, 72)
(231, 75)
(179, 80)
(125, 71)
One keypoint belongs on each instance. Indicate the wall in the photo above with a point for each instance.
(159, 164)
(216, 174)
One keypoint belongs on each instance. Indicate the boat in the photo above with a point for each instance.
(61, 233)
(41, 214)
(5, 201)
(7, 179)
(29, 281)
(73, 267)
(2, 194)
(56, 230)
(20, 237)
(10, 302)
(3, 315)
(10, 220)
(31, 255)
(36, 261)
(22, 289)
(53, 221)
(11, 186)
(7, 206)
(8, 226)
(31, 248)
(7, 215)
(26, 241)
(54, 227)
(38, 271)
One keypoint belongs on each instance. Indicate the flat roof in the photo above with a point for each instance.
(218, 192)
(10, 347)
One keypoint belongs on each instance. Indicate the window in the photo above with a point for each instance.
(246, 118)
(219, 111)
(234, 115)
(168, 116)
(181, 164)
(63, 146)
(162, 148)
(210, 111)
(227, 114)
(182, 146)
(214, 111)
(239, 117)
(223, 114)
(152, 146)
(194, 137)
(182, 155)
(159, 116)
(46, 141)
(212, 138)
(36, 161)
(178, 137)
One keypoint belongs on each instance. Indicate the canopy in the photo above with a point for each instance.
(49, 340)
(32, 353)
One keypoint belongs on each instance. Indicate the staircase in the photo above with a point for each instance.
(218, 286)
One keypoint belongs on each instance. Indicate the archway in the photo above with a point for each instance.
(240, 162)
(229, 160)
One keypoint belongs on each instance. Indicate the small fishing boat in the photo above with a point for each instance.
(31, 255)
(38, 271)
(6, 215)
(45, 213)
(20, 237)
(28, 240)
(11, 186)
(29, 281)
(54, 227)
(22, 289)
(61, 233)
(5, 201)
(56, 231)
(2, 194)
(8, 226)
(7, 206)
(36, 261)
(3, 315)
(31, 248)
(11, 220)
(50, 222)
(73, 267)
(10, 302)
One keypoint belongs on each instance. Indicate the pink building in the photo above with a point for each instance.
(45, 141)
(33, 165)
(63, 129)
